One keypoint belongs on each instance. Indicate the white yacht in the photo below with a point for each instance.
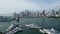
(48, 31)
(13, 29)
(32, 26)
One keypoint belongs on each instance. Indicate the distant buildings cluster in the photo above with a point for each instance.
(28, 13)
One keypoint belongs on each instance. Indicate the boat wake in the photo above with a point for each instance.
(49, 31)
(33, 26)
(44, 31)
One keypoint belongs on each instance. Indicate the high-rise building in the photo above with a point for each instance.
(53, 13)
(57, 14)
(27, 13)
(44, 13)
(59, 11)
(14, 14)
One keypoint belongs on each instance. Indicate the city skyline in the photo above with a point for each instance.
(10, 6)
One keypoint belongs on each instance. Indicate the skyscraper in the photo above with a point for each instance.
(59, 11)
(44, 13)
(53, 13)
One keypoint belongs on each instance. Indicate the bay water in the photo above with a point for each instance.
(46, 23)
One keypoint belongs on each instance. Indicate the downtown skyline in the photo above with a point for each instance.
(10, 6)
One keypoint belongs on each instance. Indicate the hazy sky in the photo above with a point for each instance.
(9, 6)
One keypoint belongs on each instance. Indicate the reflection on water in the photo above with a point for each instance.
(47, 23)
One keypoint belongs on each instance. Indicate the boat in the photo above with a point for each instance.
(14, 28)
(48, 31)
(32, 26)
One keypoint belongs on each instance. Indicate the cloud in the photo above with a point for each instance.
(10, 6)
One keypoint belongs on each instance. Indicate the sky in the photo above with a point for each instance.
(10, 6)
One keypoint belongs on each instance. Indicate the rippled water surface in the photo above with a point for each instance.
(47, 23)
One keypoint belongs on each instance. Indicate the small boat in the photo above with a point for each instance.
(48, 31)
(13, 29)
(32, 26)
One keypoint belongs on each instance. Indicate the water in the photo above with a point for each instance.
(47, 23)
